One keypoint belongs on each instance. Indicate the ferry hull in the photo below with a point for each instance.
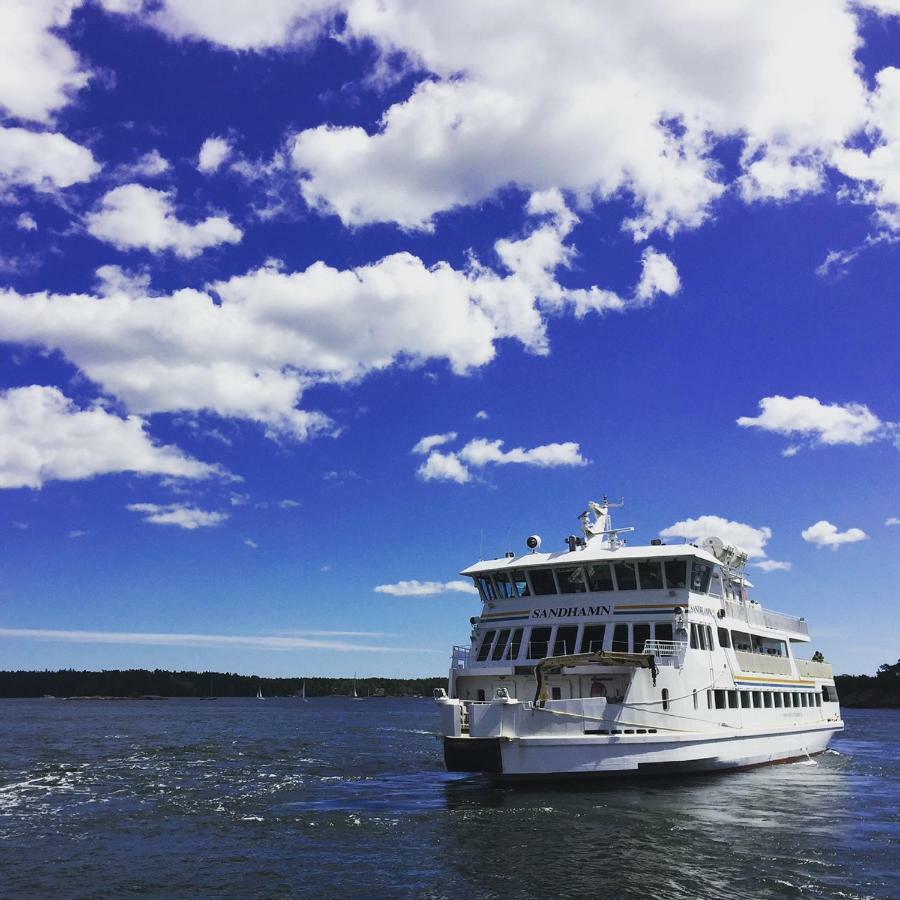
(542, 758)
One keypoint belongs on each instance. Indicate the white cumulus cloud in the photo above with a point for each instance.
(415, 588)
(182, 515)
(820, 423)
(824, 534)
(429, 442)
(134, 216)
(212, 154)
(893, 520)
(739, 534)
(44, 436)
(772, 565)
(443, 467)
(43, 160)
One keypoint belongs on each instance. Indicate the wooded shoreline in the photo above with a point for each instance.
(881, 690)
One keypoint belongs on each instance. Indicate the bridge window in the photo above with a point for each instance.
(565, 640)
(500, 646)
(724, 640)
(650, 572)
(538, 643)
(676, 573)
(641, 634)
(571, 581)
(542, 581)
(515, 644)
(519, 583)
(486, 586)
(505, 587)
(600, 577)
(620, 639)
(626, 576)
(485, 648)
(592, 638)
(700, 575)
(662, 631)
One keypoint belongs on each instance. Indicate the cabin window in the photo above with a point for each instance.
(777, 699)
(620, 639)
(745, 700)
(695, 640)
(700, 575)
(732, 699)
(565, 640)
(500, 646)
(720, 699)
(571, 581)
(662, 631)
(542, 581)
(797, 698)
(818, 699)
(695, 699)
(512, 652)
(767, 699)
(641, 634)
(665, 698)
(485, 648)
(592, 638)
(650, 573)
(676, 573)
(829, 693)
(537, 646)
(504, 586)
(556, 693)
(724, 640)
(757, 700)
(741, 641)
(480, 695)
(709, 699)
(599, 577)
(519, 583)
(788, 699)
(626, 576)
(709, 637)
(486, 586)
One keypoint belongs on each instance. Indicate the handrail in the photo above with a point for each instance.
(756, 615)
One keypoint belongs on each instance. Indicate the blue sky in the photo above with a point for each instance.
(252, 255)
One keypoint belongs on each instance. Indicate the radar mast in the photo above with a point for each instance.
(601, 526)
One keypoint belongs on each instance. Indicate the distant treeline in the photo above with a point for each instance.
(881, 690)
(161, 683)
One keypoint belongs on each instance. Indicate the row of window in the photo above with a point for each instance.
(723, 699)
(644, 575)
(508, 643)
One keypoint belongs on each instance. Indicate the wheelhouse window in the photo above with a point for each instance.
(538, 643)
(565, 640)
(505, 587)
(485, 647)
(486, 586)
(500, 646)
(650, 572)
(599, 577)
(519, 583)
(700, 575)
(620, 639)
(676, 573)
(626, 576)
(542, 581)
(641, 634)
(571, 580)
(592, 638)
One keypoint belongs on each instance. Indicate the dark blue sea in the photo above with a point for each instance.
(336, 798)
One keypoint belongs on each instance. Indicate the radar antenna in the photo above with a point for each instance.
(601, 526)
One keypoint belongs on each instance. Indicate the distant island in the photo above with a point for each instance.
(881, 690)
(161, 683)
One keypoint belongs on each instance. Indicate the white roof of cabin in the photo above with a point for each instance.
(595, 551)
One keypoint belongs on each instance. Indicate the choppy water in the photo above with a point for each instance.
(340, 798)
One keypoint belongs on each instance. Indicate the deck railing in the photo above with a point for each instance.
(666, 653)
(756, 615)
(814, 669)
(763, 663)
(460, 658)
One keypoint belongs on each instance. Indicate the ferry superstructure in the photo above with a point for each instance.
(611, 659)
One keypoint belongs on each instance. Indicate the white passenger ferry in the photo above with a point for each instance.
(607, 659)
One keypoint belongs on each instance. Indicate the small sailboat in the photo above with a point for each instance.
(259, 695)
(355, 695)
(303, 692)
